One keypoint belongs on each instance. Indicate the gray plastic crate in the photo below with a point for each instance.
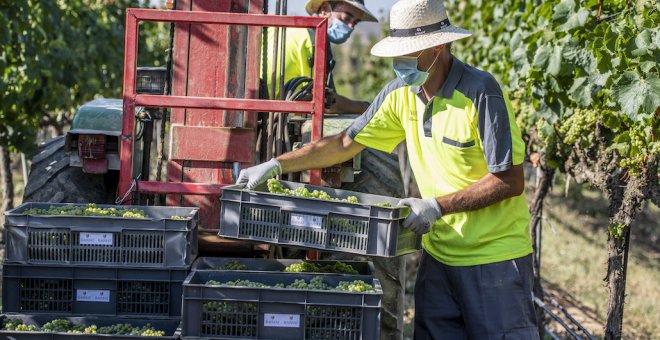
(171, 328)
(56, 289)
(364, 268)
(157, 241)
(278, 313)
(313, 223)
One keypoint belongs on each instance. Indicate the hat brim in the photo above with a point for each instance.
(313, 6)
(400, 46)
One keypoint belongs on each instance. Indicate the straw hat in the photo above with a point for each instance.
(416, 25)
(313, 6)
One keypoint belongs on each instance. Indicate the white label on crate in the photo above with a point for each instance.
(311, 221)
(104, 239)
(282, 320)
(86, 295)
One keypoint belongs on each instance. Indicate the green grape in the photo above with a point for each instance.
(11, 324)
(89, 210)
(339, 268)
(90, 329)
(27, 328)
(303, 267)
(275, 187)
(357, 286)
(388, 205)
(57, 326)
(298, 284)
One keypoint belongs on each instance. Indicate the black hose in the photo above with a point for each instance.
(556, 317)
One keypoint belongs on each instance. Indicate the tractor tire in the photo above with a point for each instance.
(52, 180)
(381, 175)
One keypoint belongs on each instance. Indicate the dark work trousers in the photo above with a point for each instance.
(489, 301)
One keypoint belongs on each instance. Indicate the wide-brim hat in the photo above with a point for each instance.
(416, 25)
(313, 6)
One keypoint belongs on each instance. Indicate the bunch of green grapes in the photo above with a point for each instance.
(275, 187)
(298, 284)
(579, 126)
(303, 267)
(18, 325)
(57, 326)
(213, 283)
(120, 328)
(318, 284)
(315, 283)
(234, 265)
(77, 329)
(339, 268)
(357, 286)
(89, 210)
(385, 204)
(175, 217)
(11, 324)
(27, 328)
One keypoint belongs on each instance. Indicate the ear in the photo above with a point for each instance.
(325, 10)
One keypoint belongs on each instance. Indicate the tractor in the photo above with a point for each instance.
(203, 118)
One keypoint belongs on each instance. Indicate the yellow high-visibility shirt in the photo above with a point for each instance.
(464, 132)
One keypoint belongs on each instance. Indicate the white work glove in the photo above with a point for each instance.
(424, 212)
(258, 174)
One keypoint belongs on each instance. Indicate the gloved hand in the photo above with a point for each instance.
(424, 213)
(258, 174)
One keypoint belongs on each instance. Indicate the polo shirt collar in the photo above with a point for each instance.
(455, 73)
(447, 89)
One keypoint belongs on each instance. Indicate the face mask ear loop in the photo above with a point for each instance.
(434, 60)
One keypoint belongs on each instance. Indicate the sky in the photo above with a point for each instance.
(380, 8)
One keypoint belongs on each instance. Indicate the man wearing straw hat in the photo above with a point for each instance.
(343, 16)
(475, 274)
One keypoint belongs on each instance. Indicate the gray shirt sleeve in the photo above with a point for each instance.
(360, 122)
(495, 131)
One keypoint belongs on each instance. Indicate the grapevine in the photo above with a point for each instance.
(89, 210)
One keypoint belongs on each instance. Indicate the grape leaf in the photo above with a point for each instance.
(581, 91)
(636, 95)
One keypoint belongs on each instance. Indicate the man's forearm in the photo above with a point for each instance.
(322, 154)
(491, 189)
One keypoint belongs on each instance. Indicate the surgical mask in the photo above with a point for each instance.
(338, 31)
(406, 69)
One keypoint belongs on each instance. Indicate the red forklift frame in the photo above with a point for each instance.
(131, 99)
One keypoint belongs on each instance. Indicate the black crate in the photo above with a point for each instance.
(364, 268)
(157, 241)
(136, 292)
(363, 228)
(171, 328)
(279, 313)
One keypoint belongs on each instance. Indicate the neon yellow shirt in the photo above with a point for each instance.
(466, 131)
(299, 52)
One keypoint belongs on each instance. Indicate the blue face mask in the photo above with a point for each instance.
(338, 31)
(406, 69)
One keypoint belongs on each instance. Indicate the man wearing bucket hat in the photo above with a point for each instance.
(343, 16)
(475, 275)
